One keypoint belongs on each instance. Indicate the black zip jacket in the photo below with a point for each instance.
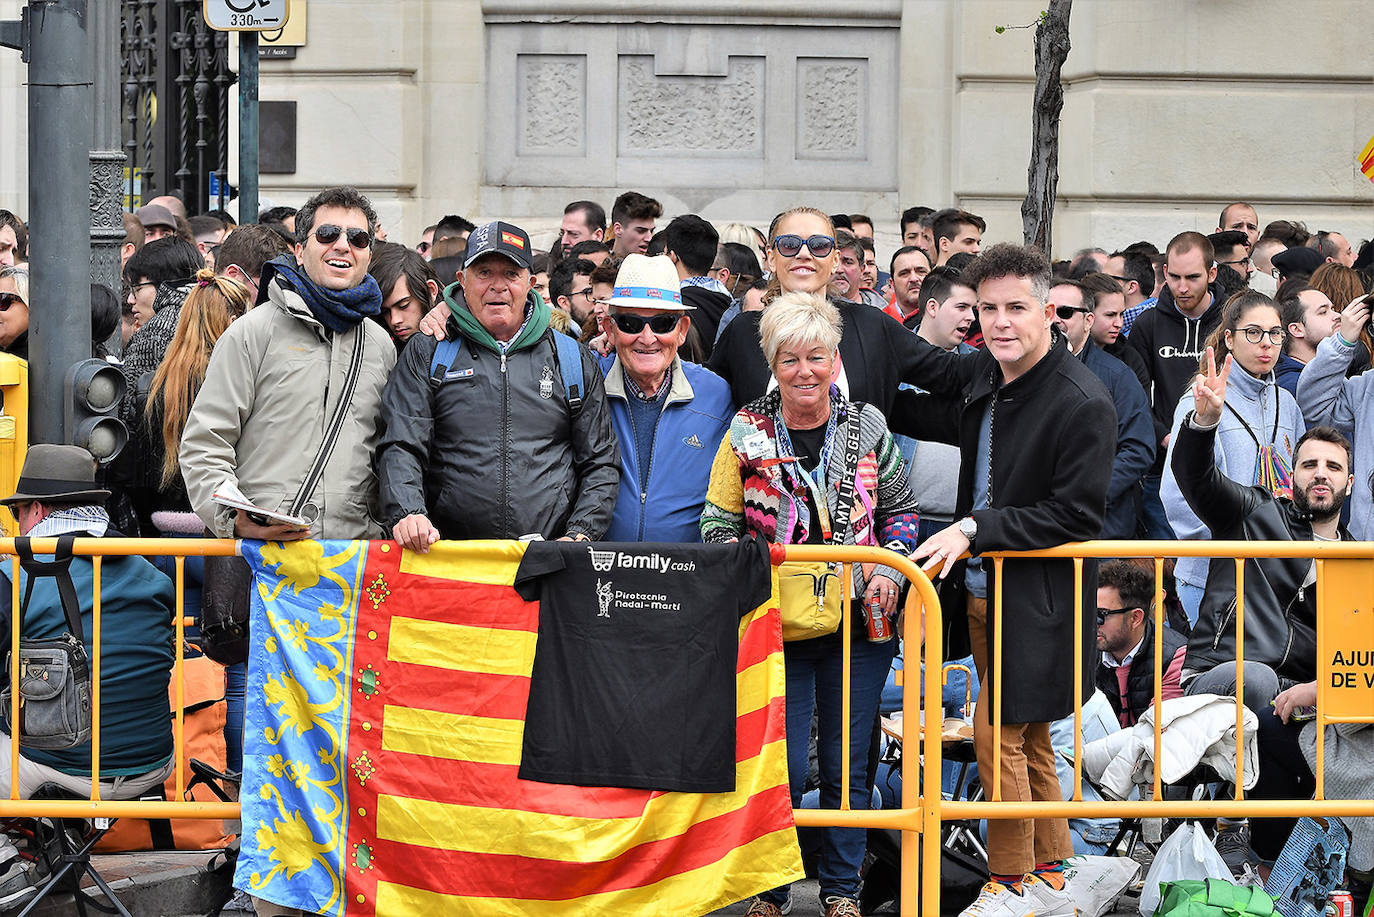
(1140, 680)
(1171, 346)
(494, 451)
(1280, 615)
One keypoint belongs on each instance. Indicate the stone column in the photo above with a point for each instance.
(107, 157)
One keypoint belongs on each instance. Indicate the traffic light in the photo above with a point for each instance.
(94, 390)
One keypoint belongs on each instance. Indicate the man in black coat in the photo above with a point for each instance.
(1037, 432)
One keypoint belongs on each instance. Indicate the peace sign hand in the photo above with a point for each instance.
(1209, 390)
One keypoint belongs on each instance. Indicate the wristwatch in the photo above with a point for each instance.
(969, 529)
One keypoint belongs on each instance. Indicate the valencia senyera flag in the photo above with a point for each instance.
(382, 754)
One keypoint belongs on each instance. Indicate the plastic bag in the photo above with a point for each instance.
(1214, 898)
(1188, 853)
(1094, 882)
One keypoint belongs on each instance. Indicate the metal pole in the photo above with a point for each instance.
(248, 127)
(107, 158)
(59, 203)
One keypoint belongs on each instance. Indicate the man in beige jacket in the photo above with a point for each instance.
(275, 380)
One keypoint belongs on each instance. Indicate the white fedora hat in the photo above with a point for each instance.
(647, 283)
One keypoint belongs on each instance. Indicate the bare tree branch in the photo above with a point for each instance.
(1051, 49)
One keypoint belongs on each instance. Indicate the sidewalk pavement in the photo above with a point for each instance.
(165, 883)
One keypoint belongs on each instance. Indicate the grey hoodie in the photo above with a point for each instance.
(1235, 452)
(1326, 396)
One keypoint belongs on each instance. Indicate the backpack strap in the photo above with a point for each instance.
(569, 354)
(60, 569)
(444, 356)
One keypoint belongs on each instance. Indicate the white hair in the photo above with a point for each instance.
(801, 321)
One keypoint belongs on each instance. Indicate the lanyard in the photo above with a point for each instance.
(814, 481)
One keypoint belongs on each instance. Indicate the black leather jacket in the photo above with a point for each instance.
(497, 451)
(1280, 615)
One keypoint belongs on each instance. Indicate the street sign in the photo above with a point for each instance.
(246, 15)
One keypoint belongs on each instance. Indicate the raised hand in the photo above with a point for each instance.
(1353, 318)
(1209, 390)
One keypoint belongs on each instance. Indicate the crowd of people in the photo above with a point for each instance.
(686, 382)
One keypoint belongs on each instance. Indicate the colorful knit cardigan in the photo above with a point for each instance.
(754, 494)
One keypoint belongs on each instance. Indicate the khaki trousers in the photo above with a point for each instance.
(1027, 764)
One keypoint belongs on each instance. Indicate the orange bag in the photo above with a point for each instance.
(203, 738)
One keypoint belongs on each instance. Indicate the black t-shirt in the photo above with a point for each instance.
(633, 683)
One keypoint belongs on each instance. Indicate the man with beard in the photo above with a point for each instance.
(1280, 603)
(1280, 593)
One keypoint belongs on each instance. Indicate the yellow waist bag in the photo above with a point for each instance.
(812, 592)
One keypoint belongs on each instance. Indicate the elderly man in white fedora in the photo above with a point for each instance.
(669, 416)
(57, 496)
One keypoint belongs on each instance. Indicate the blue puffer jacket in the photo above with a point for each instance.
(694, 421)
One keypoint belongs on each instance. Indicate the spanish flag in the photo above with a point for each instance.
(1366, 159)
(383, 746)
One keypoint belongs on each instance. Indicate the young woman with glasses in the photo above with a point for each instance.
(1258, 429)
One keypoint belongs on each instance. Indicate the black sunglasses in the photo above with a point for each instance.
(1104, 613)
(634, 324)
(9, 299)
(328, 233)
(789, 245)
(1066, 312)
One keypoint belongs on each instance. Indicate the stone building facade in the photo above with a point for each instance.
(738, 108)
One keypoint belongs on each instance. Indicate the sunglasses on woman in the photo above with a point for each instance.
(358, 238)
(788, 245)
(662, 323)
(9, 299)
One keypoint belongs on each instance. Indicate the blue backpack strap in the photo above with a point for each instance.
(569, 354)
(444, 355)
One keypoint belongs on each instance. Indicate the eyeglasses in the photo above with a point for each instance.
(1254, 335)
(328, 233)
(146, 283)
(662, 323)
(789, 245)
(587, 293)
(1104, 613)
(1067, 312)
(1118, 277)
(9, 299)
(1239, 263)
(422, 247)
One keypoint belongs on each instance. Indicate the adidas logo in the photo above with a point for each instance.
(693, 442)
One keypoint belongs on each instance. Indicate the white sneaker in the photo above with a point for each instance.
(998, 900)
(1045, 900)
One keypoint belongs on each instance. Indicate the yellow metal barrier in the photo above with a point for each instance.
(1356, 593)
(922, 808)
(96, 807)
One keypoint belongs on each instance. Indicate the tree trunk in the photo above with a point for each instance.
(1051, 49)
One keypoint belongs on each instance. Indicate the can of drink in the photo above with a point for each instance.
(879, 627)
(1341, 903)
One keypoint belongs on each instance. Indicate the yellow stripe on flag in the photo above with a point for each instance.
(472, 829)
(482, 739)
(774, 856)
(461, 648)
(1366, 159)
(491, 563)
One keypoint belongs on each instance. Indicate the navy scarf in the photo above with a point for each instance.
(337, 310)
